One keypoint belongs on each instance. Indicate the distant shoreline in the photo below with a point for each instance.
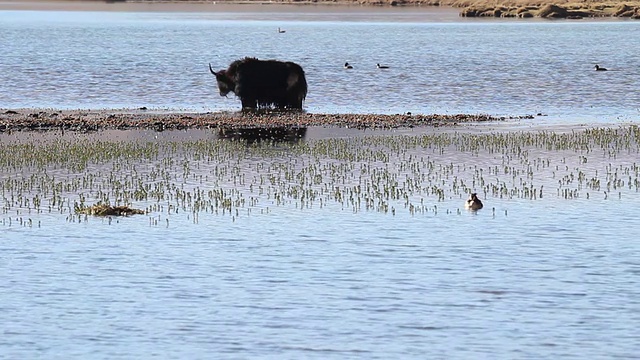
(554, 9)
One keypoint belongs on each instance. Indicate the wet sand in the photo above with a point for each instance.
(323, 10)
(95, 120)
(209, 6)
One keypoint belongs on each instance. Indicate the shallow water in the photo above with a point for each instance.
(119, 59)
(307, 266)
(342, 244)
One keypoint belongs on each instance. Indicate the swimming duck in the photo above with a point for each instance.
(347, 66)
(473, 203)
(382, 66)
(598, 68)
(281, 31)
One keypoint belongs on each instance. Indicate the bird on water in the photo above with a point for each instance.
(473, 203)
(281, 31)
(598, 68)
(382, 66)
(347, 66)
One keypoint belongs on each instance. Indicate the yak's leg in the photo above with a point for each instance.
(283, 103)
(295, 102)
(248, 103)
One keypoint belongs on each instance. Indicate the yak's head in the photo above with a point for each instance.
(225, 82)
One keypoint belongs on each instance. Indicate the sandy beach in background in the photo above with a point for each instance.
(568, 9)
(207, 6)
(324, 10)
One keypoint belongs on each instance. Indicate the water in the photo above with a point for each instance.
(279, 276)
(257, 289)
(287, 278)
(160, 60)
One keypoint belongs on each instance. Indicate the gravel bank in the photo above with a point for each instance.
(95, 120)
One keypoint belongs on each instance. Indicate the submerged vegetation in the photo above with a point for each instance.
(417, 174)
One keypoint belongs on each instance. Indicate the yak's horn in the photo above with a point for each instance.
(211, 69)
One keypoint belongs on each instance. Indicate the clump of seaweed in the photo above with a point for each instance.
(102, 209)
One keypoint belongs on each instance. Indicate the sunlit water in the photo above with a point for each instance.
(326, 277)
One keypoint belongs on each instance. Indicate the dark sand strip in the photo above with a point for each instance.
(95, 120)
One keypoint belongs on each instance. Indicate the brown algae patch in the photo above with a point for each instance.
(107, 210)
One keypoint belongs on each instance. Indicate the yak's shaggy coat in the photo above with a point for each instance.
(264, 83)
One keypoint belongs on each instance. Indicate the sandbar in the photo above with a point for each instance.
(126, 119)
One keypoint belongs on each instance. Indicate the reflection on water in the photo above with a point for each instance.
(260, 134)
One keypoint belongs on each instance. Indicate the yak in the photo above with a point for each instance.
(263, 83)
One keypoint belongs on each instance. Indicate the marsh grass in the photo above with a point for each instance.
(416, 174)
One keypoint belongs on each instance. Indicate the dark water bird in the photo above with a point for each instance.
(382, 66)
(347, 66)
(598, 68)
(473, 203)
(281, 31)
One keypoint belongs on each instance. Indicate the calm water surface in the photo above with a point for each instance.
(281, 278)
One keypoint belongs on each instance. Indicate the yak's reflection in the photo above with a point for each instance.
(260, 134)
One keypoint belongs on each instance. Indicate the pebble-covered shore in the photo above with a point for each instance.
(95, 120)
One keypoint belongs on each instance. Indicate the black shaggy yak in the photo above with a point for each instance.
(264, 83)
